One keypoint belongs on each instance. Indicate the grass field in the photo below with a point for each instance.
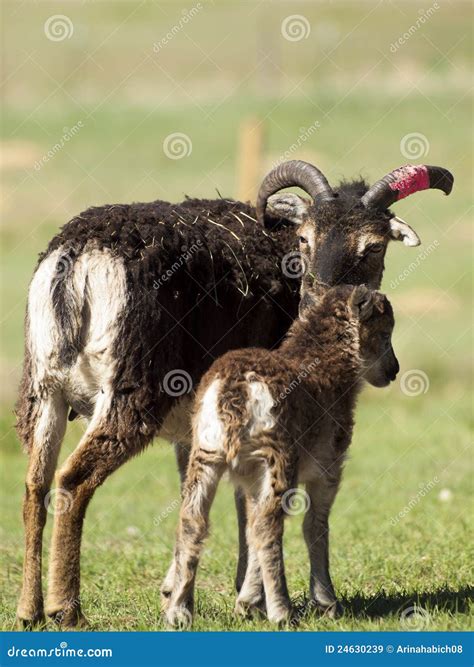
(402, 523)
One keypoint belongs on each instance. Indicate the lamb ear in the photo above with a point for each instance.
(401, 231)
(361, 302)
(288, 205)
(306, 302)
(309, 299)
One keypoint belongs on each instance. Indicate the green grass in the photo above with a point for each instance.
(379, 569)
(366, 99)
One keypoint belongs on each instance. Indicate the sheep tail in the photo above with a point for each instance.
(234, 414)
(68, 300)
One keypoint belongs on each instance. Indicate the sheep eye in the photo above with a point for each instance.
(376, 247)
(302, 239)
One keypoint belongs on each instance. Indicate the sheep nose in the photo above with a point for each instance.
(394, 373)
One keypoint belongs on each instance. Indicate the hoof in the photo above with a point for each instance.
(250, 608)
(69, 618)
(29, 622)
(282, 618)
(179, 617)
(332, 610)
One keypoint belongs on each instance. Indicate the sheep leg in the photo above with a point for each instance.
(48, 432)
(266, 535)
(99, 453)
(251, 593)
(182, 452)
(316, 533)
(240, 506)
(204, 472)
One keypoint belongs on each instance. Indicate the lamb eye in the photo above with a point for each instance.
(302, 239)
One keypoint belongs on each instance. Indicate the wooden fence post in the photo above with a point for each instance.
(250, 144)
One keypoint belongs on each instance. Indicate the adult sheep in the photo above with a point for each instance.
(129, 306)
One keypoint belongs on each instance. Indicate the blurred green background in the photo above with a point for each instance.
(381, 84)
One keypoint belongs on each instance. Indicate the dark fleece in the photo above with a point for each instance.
(230, 293)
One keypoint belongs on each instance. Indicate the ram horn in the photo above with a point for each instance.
(293, 173)
(405, 181)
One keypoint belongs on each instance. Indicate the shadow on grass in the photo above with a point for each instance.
(445, 599)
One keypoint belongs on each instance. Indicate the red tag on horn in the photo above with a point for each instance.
(410, 179)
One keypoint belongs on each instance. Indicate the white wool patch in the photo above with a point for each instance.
(99, 279)
(44, 336)
(209, 430)
(96, 280)
(361, 244)
(259, 406)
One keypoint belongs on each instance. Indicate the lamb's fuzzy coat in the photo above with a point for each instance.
(269, 439)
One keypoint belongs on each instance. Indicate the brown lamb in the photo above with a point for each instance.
(273, 419)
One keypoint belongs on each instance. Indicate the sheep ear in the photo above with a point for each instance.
(288, 205)
(401, 231)
(362, 302)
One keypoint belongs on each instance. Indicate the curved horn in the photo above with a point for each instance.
(293, 173)
(404, 181)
